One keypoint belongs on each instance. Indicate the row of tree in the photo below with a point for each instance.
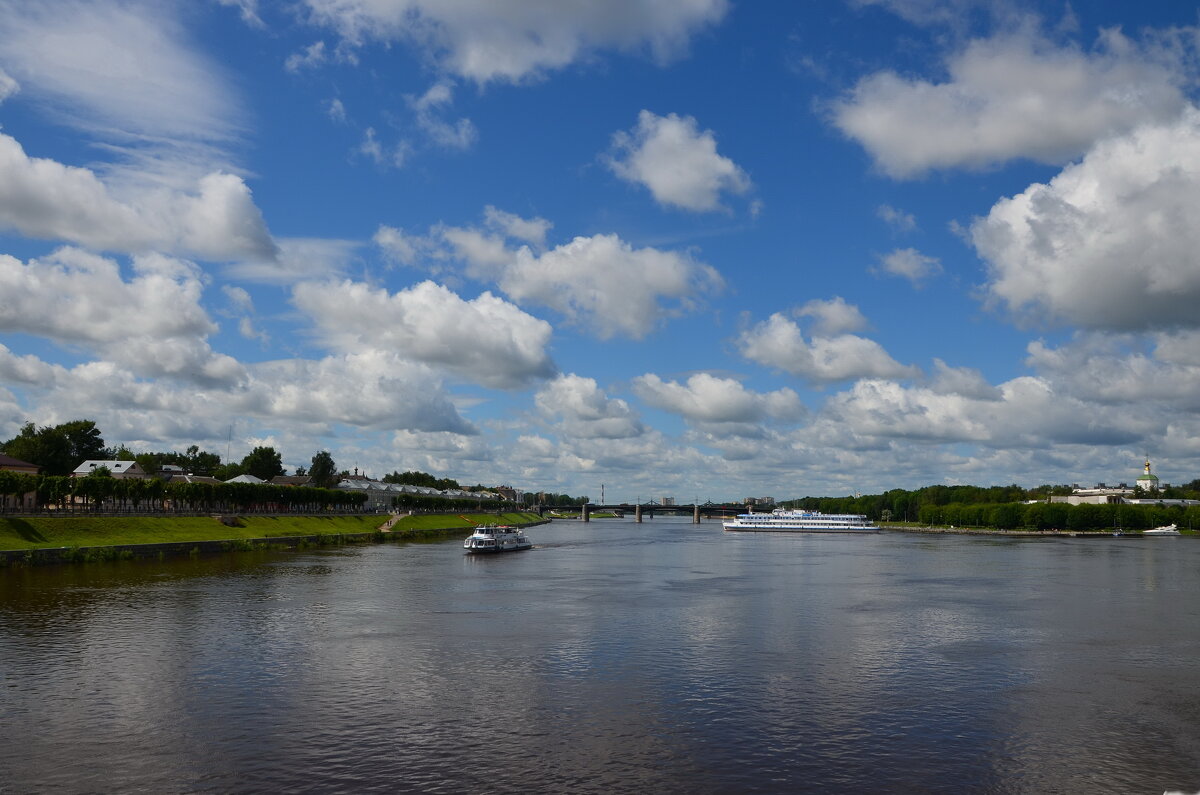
(102, 492)
(59, 449)
(1058, 516)
(423, 502)
(906, 505)
(561, 499)
(424, 479)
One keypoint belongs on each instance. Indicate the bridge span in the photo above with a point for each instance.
(641, 510)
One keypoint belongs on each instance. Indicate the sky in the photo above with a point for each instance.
(704, 249)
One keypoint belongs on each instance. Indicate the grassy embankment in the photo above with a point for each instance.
(41, 532)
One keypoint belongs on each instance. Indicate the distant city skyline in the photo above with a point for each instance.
(704, 248)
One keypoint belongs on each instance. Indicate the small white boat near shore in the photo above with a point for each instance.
(496, 538)
(1165, 530)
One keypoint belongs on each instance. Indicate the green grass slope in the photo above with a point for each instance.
(84, 531)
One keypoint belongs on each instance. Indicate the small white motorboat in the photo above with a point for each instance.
(1165, 530)
(497, 538)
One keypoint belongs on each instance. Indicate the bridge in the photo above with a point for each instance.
(641, 510)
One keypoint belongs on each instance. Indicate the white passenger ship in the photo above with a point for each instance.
(784, 521)
(497, 538)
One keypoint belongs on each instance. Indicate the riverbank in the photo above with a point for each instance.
(982, 531)
(37, 540)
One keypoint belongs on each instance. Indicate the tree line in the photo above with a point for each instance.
(1003, 507)
(415, 478)
(1059, 516)
(424, 479)
(59, 449)
(102, 492)
(431, 502)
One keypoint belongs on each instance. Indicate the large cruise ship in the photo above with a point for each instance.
(784, 521)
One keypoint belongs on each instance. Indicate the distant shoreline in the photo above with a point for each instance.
(980, 531)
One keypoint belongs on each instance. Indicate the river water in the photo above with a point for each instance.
(614, 657)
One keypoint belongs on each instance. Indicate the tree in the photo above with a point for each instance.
(85, 441)
(1006, 516)
(58, 449)
(193, 460)
(421, 479)
(198, 462)
(323, 471)
(31, 445)
(263, 463)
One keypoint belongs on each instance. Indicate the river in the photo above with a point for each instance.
(613, 657)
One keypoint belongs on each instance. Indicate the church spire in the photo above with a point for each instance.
(1148, 481)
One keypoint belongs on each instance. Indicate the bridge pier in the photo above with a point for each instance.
(695, 514)
(637, 514)
(587, 513)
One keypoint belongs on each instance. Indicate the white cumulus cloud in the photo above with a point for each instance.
(215, 219)
(371, 388)
(965, 381)
(1012, 96)
(584, 411)
(834, 316)
(152, 324)
(600, 283)
(484, 41)
(485, 339)
(1028, 413)
(677, 162)
(603, 283)
(1123, 370)
(911, 264)
(1111, 241)
(708, 398)
(778, 342)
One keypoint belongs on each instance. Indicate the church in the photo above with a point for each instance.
(1147, 481)
(1101, 494)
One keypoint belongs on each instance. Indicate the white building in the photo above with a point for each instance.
(1105, 495)
(118, 469)
(380, 494)
(1098, 495)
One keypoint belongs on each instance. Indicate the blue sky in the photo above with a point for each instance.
(690, 248)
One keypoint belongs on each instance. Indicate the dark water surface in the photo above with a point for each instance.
(613, 657)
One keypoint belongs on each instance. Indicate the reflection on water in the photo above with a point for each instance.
(612, 657)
